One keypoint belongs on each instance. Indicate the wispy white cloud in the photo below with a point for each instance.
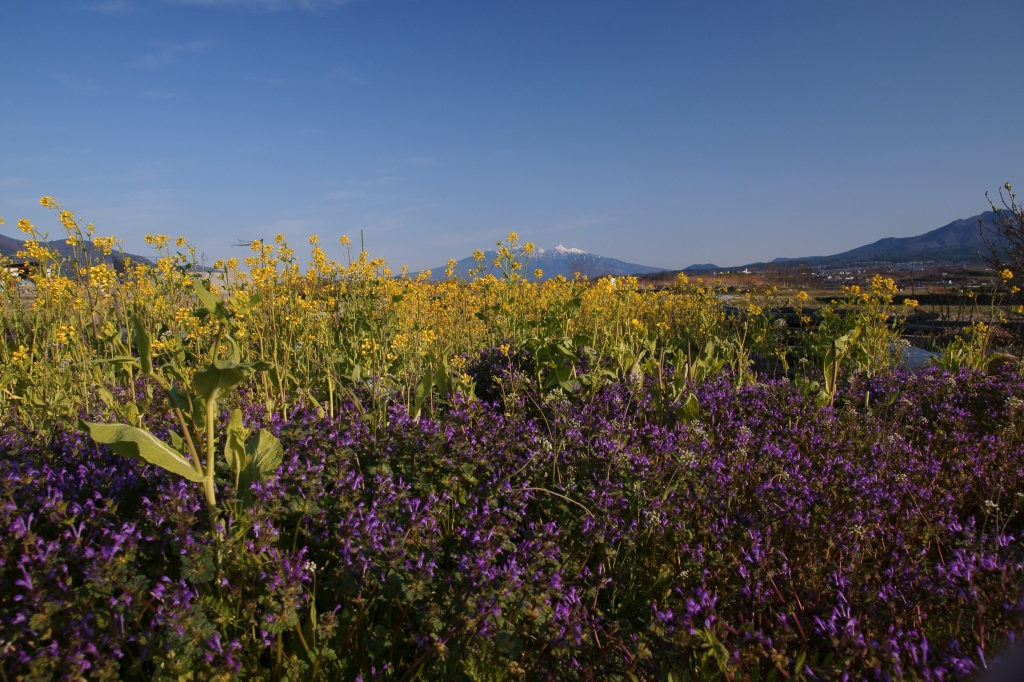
(110, 6)
(168, 53)
(79, 84)
(345, 73)
(160, 94)
(269, 5)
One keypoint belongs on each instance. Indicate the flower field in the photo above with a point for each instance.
(337, 472)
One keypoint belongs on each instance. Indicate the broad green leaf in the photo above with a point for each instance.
(264, 452)
(689, 410)
(143, 345)
(131, 413)
(105, 395)
(264, 449)
(177, 442)
(180, 400)
(234, 444)
(234, 355)
(143, 446)
(209, 301)
(423, 390)
(221, 376)
(441, 380)
(235, 421)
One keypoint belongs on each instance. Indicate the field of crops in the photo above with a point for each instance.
(276, 471)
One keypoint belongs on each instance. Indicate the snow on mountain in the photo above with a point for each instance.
(563, 261)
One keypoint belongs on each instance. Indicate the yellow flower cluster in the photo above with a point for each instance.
(21, 357)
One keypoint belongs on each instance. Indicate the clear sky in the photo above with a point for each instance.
(661, 133)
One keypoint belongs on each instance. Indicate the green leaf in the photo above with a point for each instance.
(423, 391)
(221, 376)
(264, 452)
(143, 345)
(209, 301)
(234, 444)
(177, 442)
(143, 446)
(689, 410)
(119, 360)
(180, 400)
(441, 379)
(131, 413)
(105, 395)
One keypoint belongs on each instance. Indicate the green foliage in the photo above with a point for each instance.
(969, 350)
(143, 446)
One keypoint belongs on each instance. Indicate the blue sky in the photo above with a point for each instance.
(661, 133)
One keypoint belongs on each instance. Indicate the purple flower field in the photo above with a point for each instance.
(540, 539)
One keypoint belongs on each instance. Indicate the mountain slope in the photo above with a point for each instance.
(560, 261)
(957, 242)
(10, 246)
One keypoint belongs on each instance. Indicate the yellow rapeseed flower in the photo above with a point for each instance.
(20, 356)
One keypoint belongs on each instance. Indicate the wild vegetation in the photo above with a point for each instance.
(336, 471)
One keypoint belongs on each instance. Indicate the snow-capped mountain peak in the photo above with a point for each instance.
(560, 251)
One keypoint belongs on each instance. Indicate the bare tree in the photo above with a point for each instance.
(1004, 237)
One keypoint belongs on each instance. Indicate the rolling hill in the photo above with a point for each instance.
(958, 242)
(10, 246)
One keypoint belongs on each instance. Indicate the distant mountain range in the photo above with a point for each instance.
(9, 247)
(561, 261)
(958, 242)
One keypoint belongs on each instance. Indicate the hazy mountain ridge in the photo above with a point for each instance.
(559, 261)
(958, 242)
(9, 247)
